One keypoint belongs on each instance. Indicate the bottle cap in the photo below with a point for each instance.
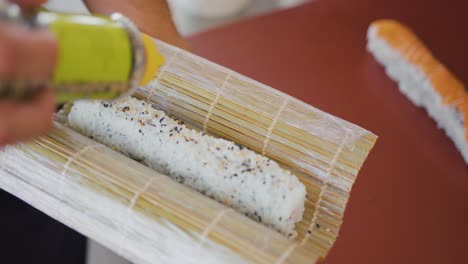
(154, 60)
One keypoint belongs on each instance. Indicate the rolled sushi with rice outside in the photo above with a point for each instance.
(240, 178)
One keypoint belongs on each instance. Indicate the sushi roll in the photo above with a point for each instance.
(422, 78)
(229, 173)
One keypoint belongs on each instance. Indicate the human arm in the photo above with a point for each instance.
(152, 17)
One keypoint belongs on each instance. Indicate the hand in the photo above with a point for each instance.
(152, 17)
(26, 54)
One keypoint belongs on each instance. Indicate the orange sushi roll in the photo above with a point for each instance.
(422, 78)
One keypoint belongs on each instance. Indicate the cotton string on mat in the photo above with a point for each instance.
(147, 217)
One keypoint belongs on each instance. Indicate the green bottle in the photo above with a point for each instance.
(98, 57)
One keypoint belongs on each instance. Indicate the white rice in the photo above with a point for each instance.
(240, 178)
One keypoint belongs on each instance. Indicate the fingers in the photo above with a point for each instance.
(25, 53)
(20, 121)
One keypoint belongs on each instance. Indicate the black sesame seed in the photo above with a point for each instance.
(160, 120)
(317, 225)
(170, 135)
(105, 105)
(126, 108)
(160, 131)
(308, 231)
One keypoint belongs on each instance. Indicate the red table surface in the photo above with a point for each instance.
(410, 201)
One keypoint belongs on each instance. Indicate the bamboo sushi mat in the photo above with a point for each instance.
(147, 217)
